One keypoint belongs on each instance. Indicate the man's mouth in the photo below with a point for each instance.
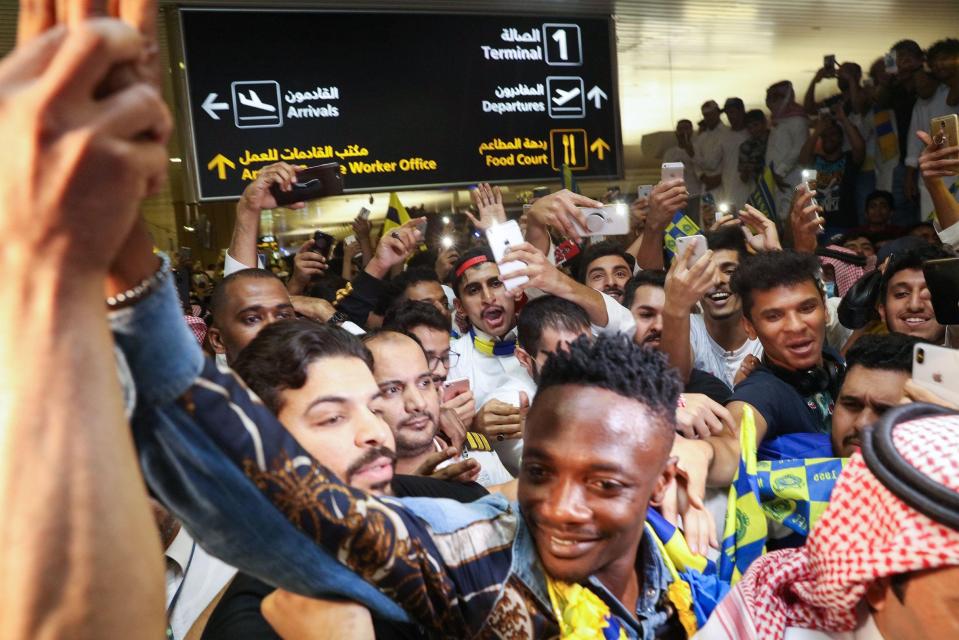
(653, 338)
(377, 472)
(567, 546)
(494, 317)
(417, 423)
(719, 297)
(614, 292)
(801, 348)
(914, 320)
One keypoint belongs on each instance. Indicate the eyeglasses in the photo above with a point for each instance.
(449, 359)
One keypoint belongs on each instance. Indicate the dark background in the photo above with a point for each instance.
(410, 85)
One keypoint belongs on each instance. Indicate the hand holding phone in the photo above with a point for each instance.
(323, 243)
(672, 171)
(697, 242)
(453, 388)
(936, 369)
(501, 237)
(942, 279)
(311, 183)
(944, 131)
(611, 220)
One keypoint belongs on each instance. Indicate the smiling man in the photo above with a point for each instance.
(607, 268)
(793, 390)
(905, 302)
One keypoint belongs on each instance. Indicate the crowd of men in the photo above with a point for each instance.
(629, 444)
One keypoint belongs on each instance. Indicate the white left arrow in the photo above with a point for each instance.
(596, 94)
(211, 106)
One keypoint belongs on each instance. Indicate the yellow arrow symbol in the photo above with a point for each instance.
(220, 162)
(599, 147)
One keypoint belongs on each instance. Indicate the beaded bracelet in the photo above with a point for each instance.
(143, 288)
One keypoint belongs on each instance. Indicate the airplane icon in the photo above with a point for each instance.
(565, 96)
(255, 102)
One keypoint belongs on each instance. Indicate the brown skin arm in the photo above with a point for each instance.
(726, 452)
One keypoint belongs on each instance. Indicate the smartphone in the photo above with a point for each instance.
(936, 369)
(350, 239)
(644, 191)
(539, 192)
(829, 62)
(945, 131)
(565, 251)
(672, 171)
(809, 184)
(311, 183)
(942, 278)
(611, 220)
(889, 60)
(447, 242)
(323, 243)
(364, 214)
(453, 388)
(500, 238)
(698, 243)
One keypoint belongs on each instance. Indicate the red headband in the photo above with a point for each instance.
(472, 262)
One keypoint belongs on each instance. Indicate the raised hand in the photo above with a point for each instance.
(805, 220)
(665, 200)
(307, 264)
(489, 204)
(558, 210)
(766, 237)
(687, 283)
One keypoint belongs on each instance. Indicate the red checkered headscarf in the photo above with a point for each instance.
(865, 534)
(846, 274)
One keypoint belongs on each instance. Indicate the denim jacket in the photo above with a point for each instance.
(250, 495)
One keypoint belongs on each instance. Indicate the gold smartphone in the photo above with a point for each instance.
(945, 131)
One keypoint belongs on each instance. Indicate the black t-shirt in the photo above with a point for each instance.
(237, 616)
(781, 405)
(709, 385)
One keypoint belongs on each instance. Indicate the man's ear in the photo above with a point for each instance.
(663, 481)
(525, 359)
(749, 328)
(881, 308)
(460, 309)
(877, 594)
(216, 340)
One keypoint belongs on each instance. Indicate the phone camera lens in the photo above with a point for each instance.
(920, 356)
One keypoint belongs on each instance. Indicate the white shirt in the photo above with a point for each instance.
(786, 140)
(867, 630)
(734, 190)
(690, 175)
(924, 111)
(708, 145)
(194, 578)
(709, 356)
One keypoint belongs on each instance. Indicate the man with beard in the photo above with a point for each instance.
(607, 268)
(715, 341)
(487, 351)
(905, 304)
(410, 405)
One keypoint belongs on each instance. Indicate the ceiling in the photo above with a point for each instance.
(675, 54)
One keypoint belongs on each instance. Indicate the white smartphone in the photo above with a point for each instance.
(501, 237)
(673, 171)
(809, 184)
(890, 62)
(350, 239)
(364, 213)
(611, 220)
(936, 369)
(697, 242)
(644, 191)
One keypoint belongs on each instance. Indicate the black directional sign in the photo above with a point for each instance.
(399, 100)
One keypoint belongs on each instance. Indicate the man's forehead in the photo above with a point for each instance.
(908, 278)
(481, 273)
(649, 295)
(260, 292)
(786, 295)
(608, 262)
(393, 353)
(424, 288)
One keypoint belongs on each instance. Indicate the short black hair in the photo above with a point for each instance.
(770, 269)
(408, 314)
(911, 259)
(734, 101)
(890, 352)
(616, 363)
(944, 47)
(475, 252)
(879, 194)
(220, 292)
(729, 237)
(648, 277)
(910, 46)
(601, 250)
(396, 289)
(754, 115)
(548, 312)
(278, 357)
